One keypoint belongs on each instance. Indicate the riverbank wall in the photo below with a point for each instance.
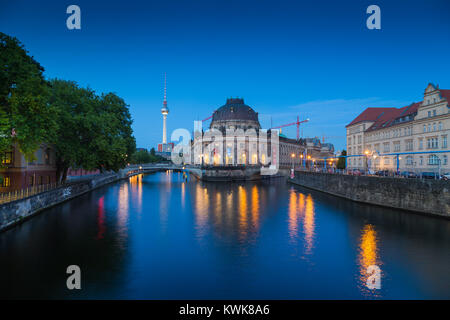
(431, 197)
(15, 212)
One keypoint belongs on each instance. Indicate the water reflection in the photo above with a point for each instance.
(101, 218)
(368, 256)
(123, 212)
(301, 210)
(309, 225)
(233, 241)
(232, 212)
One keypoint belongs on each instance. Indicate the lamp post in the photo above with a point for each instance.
(292, 160)
(301, 160)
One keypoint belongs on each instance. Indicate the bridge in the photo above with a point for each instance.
(150, 167)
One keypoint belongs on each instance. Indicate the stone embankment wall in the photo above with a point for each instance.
(424, 196)
(17, 211)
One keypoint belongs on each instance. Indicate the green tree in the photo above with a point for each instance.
(93, 132)
(341, 161)
(23, 99)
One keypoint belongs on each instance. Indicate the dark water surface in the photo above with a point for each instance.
(157, 237)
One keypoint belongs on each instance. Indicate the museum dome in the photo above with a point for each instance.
(235, 112)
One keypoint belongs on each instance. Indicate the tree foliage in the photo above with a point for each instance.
(143, 156)
(341, 161)
(93, 131)
(24, 110)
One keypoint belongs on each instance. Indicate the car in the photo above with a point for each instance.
(446, 176)
(408, 174)
(383, 173)
(429, 175)
(354, 172)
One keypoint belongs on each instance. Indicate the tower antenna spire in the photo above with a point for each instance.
(165, 111)
(165, 89)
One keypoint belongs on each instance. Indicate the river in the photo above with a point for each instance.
(157, 236)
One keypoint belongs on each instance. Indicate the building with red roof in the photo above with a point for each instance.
(412, 138)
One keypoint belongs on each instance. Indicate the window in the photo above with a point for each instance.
(6, 182)
(386, 160)
(7, 158)
(359, 139)
(434, 113)
(434, 126)
(445, 160)
(424, 128)
(386, 147)
(408, 145)
(421, 160)
(429, 114)
(440, 125)
(409, 160)
(31, 180)
(420, 144)
(433, 160)
(432, 143)
(397, 146)
(429, 127)
(444, 141)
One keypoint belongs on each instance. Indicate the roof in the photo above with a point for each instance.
(445, 94)
(370, 114)
(395, 116)
(235, 109)
(387, 117)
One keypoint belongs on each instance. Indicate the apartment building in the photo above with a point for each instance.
(412, 138)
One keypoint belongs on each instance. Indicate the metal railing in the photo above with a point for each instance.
(10, 196)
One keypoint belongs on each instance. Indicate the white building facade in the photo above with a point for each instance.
(413, 138)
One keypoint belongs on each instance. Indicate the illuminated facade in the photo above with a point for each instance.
(417, 134)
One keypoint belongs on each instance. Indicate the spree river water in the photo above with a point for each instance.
(157, 236)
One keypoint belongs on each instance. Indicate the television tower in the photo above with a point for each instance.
(164, 111)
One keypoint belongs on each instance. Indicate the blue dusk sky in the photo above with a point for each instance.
(315, 59)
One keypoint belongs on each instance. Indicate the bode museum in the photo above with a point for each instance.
(235, 140)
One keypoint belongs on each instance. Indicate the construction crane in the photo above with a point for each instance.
(206, 119)
(297, 123)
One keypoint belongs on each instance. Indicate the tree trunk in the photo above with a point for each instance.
(64, 177)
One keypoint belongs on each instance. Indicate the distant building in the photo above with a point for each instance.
(236, 115)
(141, 149)
(417, 134)
(17, 173)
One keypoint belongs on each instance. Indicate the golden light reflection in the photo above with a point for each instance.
(136, 190)
(201, 209)
(293, 216)
(218, 208)
(309, 224)
(243, 221)
(368, 255)
(255, 207)
(183, 194)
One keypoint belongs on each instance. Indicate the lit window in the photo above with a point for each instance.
(6, 182)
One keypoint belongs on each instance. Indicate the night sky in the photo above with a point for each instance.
(315, 59)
